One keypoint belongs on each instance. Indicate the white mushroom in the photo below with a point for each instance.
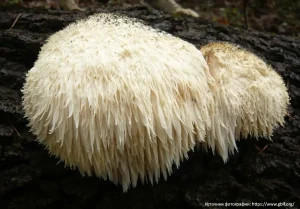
(114, 97)
(117, 98)
(250, 98)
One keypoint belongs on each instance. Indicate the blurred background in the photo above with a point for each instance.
(276, 16)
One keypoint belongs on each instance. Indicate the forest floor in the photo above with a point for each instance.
(279, 17)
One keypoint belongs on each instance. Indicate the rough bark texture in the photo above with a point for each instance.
(31, 178)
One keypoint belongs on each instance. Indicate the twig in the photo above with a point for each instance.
(289, 115)
(16, 130)
(261, 150)
(245, 13)
(19, 15)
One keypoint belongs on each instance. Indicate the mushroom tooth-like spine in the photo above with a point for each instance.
(250, 98)
(114, 97)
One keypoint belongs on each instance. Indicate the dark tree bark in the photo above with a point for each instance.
(31, 178)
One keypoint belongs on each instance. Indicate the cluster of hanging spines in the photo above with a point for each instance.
(251, 99)
(118, 102)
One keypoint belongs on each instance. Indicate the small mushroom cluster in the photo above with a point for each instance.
(121, 100)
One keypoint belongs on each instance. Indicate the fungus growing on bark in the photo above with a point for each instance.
(250, 98)
(114, 97)
(109, 95)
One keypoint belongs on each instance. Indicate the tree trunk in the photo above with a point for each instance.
(31, 178)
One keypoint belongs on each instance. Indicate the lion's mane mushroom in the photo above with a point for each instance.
(250, 98)
(110, 96)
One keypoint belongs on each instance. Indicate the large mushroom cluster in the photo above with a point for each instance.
(121, 100)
